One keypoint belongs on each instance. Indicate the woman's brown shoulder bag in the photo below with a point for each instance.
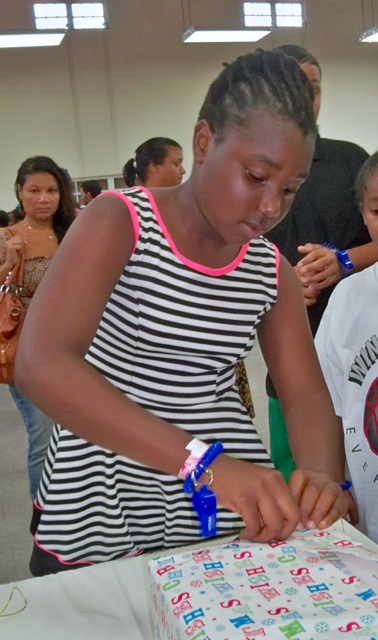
(11, 318)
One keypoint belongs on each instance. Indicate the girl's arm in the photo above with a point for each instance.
(61, 323)
(320, 268)
(52, 373)
(290, 355)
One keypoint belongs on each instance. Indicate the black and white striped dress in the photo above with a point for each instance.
(169, 339)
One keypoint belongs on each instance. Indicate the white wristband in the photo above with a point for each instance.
(197, 448)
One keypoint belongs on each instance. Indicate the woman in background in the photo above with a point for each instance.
(44, 194)
(157, 163)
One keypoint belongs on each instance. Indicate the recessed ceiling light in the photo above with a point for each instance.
(257, 14)
(88, 15)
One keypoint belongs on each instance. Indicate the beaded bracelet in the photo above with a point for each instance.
(342, 258)
(346, 485)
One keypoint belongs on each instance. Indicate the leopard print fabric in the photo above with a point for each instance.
(243, 387)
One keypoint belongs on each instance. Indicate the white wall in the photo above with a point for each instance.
(89, 102)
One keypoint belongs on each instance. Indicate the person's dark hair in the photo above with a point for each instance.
(368, 168)
(268, 79)
(4, 218)
(300, 54)
(153, 150)
(16, 215)
(91, 186)
(65, 214)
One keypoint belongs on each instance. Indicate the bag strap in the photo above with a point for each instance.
(18, 269)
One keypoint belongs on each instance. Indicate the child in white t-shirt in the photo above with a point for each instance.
(347, 345)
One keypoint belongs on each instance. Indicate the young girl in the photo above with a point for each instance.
(347, 345)
(133, 341)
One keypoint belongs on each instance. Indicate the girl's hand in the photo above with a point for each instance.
(320, 268)
(309, 292)
(320, 500)
(13, 247)
(259, 495)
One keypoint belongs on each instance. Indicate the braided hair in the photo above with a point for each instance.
(153, 150)
(367, 170)
(269, 79)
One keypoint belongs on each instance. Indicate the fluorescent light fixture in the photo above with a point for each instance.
(257, 14)
(30, 39)
(51, 23)
(50, 10)
(88, 15)
(289, 14)
(50, 16)
(370, 36)
(205, 34)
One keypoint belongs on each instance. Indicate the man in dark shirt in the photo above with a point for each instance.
(324, 211)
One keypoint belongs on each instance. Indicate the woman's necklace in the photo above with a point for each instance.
(52, 235)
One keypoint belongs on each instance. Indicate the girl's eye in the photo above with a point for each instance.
(254, 177)
(290, 192)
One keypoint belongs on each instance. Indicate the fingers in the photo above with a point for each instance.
(259, 495)
(321, 500)
(15, 244)
(352, 509)
(308, 247)
(310, 295)
(254, 524)
(320, 268)
(278, 513)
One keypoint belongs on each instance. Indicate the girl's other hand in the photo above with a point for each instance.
(13, 246)
(259, 495)
(320, 500)
(319, 268)
(309, 292)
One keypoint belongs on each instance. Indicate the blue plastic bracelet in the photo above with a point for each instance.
(342, 258)
(347, 485)
(208, 457)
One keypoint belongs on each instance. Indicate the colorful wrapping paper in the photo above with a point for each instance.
(314, 586)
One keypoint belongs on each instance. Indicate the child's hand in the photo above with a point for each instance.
(321, 500)
(352, 509)
(309, 292)
(259, 495)
(319, 268)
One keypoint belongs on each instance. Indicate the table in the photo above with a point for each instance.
(108, 601)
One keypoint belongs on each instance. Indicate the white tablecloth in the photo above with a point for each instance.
(108, 601)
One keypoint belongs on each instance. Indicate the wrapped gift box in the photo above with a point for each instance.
(316, 585)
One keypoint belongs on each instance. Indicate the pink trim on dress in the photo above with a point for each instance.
(189, 263)
(37, 505)
(58, 556)
(278, 256)
(132, 210)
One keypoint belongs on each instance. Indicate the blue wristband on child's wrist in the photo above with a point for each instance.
(342, 258)
(346, 485)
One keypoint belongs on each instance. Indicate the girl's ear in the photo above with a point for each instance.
(202, 138)
(362, 211)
